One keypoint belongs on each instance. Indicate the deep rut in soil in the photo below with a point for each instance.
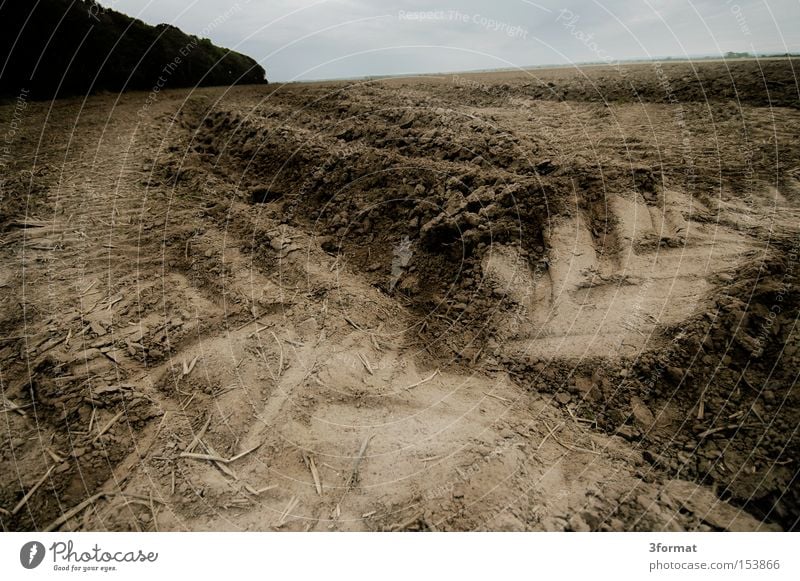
(328, 307)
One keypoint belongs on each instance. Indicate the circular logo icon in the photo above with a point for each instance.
(31, 554)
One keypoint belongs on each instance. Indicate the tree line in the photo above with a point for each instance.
(73, 47)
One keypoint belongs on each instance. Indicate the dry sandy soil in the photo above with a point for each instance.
(545, 300)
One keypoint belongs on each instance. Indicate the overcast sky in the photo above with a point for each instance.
(319, 39)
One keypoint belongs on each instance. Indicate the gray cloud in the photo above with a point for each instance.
(313, 39)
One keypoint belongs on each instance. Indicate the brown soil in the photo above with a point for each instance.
(546, 300)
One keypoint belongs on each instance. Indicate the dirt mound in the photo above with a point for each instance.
(734, 376)
(409, 305)
(533, 255)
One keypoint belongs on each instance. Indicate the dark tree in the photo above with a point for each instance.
(68, 47)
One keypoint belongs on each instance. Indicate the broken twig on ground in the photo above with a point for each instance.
(75, 511)
(245, 453)
(280, 346)
(550, 433)
(423, 381)
(187, 369)
(209, 457)
(33, 489)
(12, 407)
(315, 475)
(354, 475)
(497, 397)
(286, 511)
(107, 427)
(366, 364)
(198, 436)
